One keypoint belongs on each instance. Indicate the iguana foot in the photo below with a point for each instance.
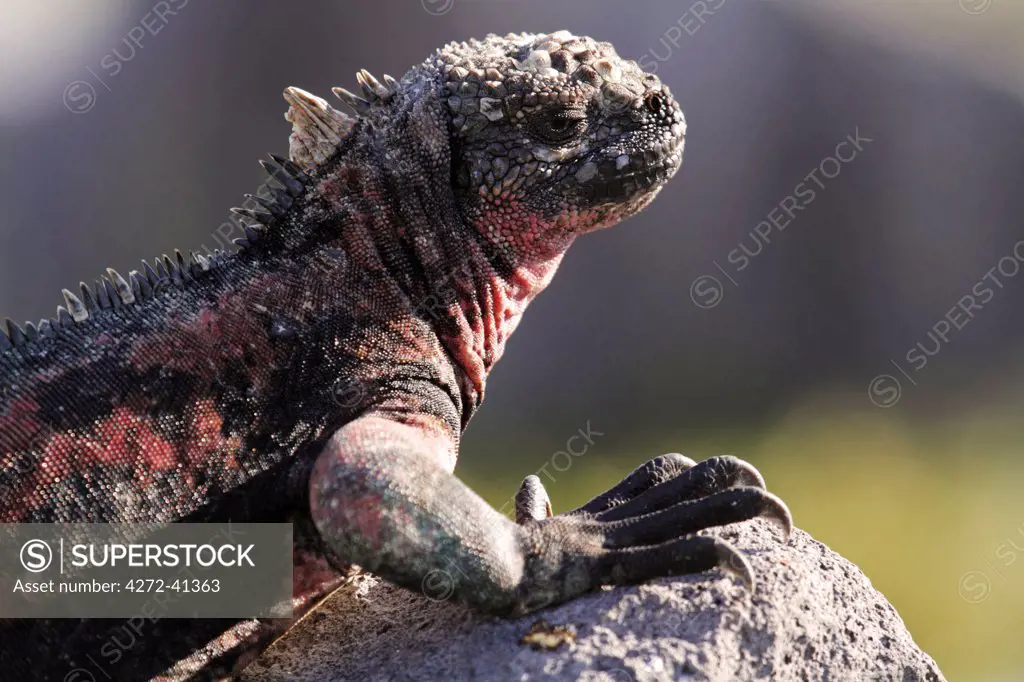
(644, 527)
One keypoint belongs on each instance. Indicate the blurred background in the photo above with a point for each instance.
(833, 348)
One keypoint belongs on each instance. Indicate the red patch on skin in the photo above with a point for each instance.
(360, 511)
(20, 432)
(125, 436)
(364, 514)
(205, 441)
(127, 439)
(19, 428)
(204, 345)
(121, 438)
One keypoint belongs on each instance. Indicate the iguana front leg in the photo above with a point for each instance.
(384, 497)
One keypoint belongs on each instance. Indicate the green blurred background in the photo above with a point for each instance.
(117, 149)
(937, 528)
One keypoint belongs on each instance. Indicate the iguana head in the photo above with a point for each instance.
(555, 135)
(539, 138)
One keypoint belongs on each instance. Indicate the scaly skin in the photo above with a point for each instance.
(324, 373)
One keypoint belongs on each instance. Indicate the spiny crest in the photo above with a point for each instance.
(318, 128)
(108, 293)
(266, 211)
(115, 291)
(374, 92)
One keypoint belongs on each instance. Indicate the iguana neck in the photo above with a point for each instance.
(407, 228)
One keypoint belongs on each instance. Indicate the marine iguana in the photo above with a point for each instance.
(324, 372)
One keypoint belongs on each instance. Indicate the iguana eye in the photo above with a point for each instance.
(559, 125)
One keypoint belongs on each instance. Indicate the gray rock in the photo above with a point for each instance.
(813, 616)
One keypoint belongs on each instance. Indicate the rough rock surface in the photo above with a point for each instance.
(813, 616)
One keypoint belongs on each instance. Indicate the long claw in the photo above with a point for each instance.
(747, 475)
(731, 561)
(732, 505)
(776, 511)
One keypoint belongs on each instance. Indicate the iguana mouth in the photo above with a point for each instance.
(609, 183)
(660, 171)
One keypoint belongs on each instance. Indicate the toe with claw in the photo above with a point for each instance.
(644, 527)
